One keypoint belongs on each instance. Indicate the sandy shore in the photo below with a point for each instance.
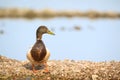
(11, 69)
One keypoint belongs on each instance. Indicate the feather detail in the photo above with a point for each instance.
(38, 51)
(31, 59)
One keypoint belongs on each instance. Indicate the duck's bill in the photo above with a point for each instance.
(50, 32)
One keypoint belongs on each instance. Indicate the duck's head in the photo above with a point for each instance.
(43, 30)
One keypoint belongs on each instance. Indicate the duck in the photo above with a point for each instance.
(38, 53)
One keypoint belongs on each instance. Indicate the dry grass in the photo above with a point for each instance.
(49, 13)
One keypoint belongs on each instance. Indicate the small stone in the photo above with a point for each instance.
(94, 77)
(60, 70)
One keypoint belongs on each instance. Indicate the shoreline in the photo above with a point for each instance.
(60, 70)
(50, 13)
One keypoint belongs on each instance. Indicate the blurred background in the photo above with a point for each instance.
(85, 29)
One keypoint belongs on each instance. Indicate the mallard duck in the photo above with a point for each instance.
(39, 54)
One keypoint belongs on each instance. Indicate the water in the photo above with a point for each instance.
(98, 40)
(84, 5)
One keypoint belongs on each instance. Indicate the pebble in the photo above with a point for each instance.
(60, 70)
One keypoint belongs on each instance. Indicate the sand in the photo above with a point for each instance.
(11, 69)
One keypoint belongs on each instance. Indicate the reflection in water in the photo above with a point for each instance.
(2, 24)
(91, 27)
(77, 28)
(64, 28)
(1, 32)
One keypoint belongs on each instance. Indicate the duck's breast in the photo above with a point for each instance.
(38, 51)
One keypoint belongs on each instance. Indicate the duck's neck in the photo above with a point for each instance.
(38, 36)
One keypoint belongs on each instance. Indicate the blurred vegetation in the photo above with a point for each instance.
(49, 13)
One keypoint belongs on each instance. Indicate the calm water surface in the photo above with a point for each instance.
(97, 40)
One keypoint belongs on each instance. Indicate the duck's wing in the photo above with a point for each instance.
(47, 55)
(38, 51)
